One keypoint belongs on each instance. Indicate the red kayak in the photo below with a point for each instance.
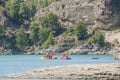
(62, 58)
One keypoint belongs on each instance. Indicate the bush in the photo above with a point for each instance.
(107, 29)
(22, 40)
(89, 1)
(49, 41)
(7, 45)
(1, 34)
(63, 5)
(34, 30)
(99, 38)
(80, 30)
(90, 41)
(19, 11)
(95, 30)
(68, 32)
(50, 21)
(43, 35)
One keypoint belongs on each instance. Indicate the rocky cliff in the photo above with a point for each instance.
(99, 13)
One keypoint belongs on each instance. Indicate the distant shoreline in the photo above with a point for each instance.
(110, 71)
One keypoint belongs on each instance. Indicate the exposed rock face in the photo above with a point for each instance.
(100, 13)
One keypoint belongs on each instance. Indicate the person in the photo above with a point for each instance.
(65, 54)
(50, 55)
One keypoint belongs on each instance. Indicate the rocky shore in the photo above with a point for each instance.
(74, 72)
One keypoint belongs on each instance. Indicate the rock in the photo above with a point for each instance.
(117, 56)
(6, 51)
(59, 48)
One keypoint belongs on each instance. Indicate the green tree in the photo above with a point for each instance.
(34, 33)
(80, 30)
(49, 41)
(50, 21)
(20, 11)
(90, 41)
(22, 40)
(43, 35)
(44, 3)
(7, 45)
(1, 33)
(12, 9)
(99, 38)
(23, 12)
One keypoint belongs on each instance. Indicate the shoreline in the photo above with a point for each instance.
(109, 71)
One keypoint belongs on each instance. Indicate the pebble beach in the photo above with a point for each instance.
(109, 71)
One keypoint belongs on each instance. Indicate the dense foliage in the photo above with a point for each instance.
(50, 21)
(40, 33)
(1, 33)
(97, 38)
(43, 35)
(34, 31)
(49, 41)
(22, 39)
(19, 11)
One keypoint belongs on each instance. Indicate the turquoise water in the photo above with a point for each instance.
(21, 63)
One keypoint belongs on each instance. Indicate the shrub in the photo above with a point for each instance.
(80, 30)
(68, 32)
(50, 21)
(43, 35)
(63, 5)
(89, 1)
(90, 41)
(98, 38)
(34, 30)
(49, 41)
(22, 40)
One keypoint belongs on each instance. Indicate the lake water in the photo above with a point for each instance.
(21, 63)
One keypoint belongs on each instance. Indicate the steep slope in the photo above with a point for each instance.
(99, 13)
